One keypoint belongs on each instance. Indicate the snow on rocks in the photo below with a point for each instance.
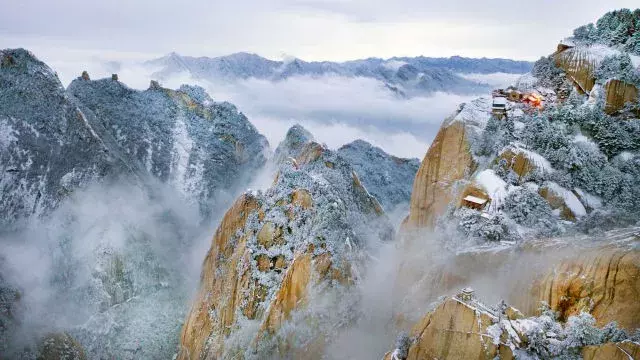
(494, 186)
(310, 230)
(564, 200)
(475, 113)
(388, 178)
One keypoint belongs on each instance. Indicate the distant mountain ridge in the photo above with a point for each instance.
(406, 76)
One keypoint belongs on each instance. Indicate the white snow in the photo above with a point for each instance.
(635, 60)
(524, 326)
(7, 134)
(580, 138)
(595, 94)
(517, 113)
(539, 161)
(626, 156)
(475, 113)
(495, 187)
(567, 42)
(589, 200)
(500, 101)
(598, 52)
(569, 198)
(394, 64)
(474, 199)
(495, 332)
(84, 119)
(182, 146)
(513, 335)
(526, 83)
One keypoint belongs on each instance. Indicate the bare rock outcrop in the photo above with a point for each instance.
(604, 282)
(464, 328)
(580, 64)
(448, 160)
(618, 94)
(612, 351)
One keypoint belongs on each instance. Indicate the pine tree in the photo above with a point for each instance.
(620, 35)
(585, 33)
(633, 44)
(605, 26)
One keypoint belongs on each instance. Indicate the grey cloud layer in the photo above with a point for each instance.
(311, 29)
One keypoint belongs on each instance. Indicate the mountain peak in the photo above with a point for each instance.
(297, 137)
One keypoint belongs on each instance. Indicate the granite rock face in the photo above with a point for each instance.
(448, 161)
(295, 139)
(604, 282)
(277, 254)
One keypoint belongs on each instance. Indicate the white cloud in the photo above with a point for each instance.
(337, 110)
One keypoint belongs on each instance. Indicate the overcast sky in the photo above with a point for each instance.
(308, 29)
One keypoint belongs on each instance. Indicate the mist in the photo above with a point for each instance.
(153, 241)
(114, 265)
(337, 110)
(406, 279)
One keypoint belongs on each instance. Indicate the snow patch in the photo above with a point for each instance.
(7, 134)
(495, 187)
(569, 198)
(539, 161)
(182, 146)
(580, 138)
(475, 113)
(394, 65)
(589, 200)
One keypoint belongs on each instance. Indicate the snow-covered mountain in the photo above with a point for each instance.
(56, 140)
(406, 76)
(385, 176)
(105, 188)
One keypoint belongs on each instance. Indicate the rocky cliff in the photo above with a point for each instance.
(56, 141)
(448, 161)
(182, 137)
(457, 329)
(305, 235)
(462, 327)
(581, 64)
(113, 279)
(48, 146)
(598, 275)
(604, 282)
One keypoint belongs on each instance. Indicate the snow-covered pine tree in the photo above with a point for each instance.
(620, 35)
(581, 331)
(633, 44)
(585, 34)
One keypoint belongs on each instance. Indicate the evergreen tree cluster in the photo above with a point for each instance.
(589, 150)
(619, 28)
(617, 67)
(549, 339)
(528, 208)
